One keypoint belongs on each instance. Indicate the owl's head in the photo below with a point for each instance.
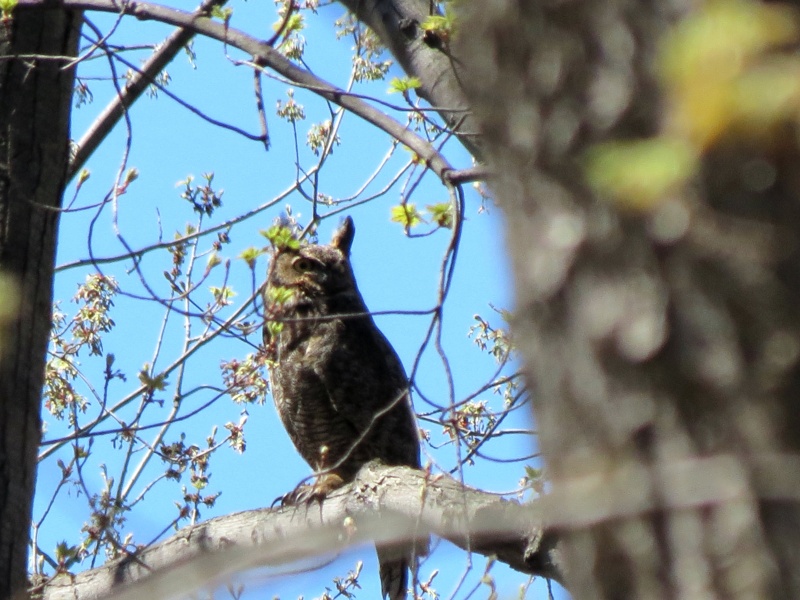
(314, 270)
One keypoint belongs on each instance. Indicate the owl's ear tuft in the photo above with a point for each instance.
(343, 236)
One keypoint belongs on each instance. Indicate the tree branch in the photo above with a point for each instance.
(265, 56)
(397, 25)
(134, 88)
(476, 173)
(383, 504)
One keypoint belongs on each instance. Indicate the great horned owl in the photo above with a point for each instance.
(339, 386)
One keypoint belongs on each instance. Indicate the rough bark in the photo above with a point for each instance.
(663, 346)
(384, 504)
(35, 95)
(397, 24)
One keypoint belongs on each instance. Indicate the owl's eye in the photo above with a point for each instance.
(301, 265)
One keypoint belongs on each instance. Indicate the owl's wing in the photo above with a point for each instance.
(367, 387)
(362, 375)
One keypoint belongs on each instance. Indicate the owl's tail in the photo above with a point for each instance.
(395, 560)
(394, 575)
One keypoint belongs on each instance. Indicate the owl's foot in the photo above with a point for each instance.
(309, 493)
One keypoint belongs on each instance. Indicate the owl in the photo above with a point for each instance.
(338, 385)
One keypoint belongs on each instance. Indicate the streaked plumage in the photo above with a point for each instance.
(339, 386)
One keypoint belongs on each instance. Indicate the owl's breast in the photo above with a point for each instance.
(320, 434)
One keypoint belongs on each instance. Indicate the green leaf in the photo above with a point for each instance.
(155, 383)
(407, 215)
(7, 7)
(708, 94)
(436, 24)
(222, 295)
(441, 214)
(296, 23)
(281, 237)
(397, 85)
(279, 294)
(223, 14)
(273, 329)
(532, 473)
(66, 555)
(639, 174)
(249, 255)
(213, 261)
(439, 26)
(132, 175)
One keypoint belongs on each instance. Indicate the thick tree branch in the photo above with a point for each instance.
(397, 24)
(476, 173)
(265, 56)
(384, 503)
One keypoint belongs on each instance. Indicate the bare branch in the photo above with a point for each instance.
(134, 88)
(476, 173)
(384, 503)
(265, 56)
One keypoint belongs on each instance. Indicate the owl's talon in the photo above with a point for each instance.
(283, 500)
(309, 493)
(302, 494)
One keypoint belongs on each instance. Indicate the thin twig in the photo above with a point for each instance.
(264, 56)
(137, 84)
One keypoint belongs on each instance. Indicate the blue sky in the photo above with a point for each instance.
(394, 272)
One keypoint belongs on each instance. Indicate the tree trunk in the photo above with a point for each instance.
(662, 345)
(35, 98)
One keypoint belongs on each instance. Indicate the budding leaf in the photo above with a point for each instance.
(407, 215)
(442, 214)
(281, 237)
(155, 383)
(397, 85)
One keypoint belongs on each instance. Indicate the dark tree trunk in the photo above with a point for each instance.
(663, 345)
(35, 97)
